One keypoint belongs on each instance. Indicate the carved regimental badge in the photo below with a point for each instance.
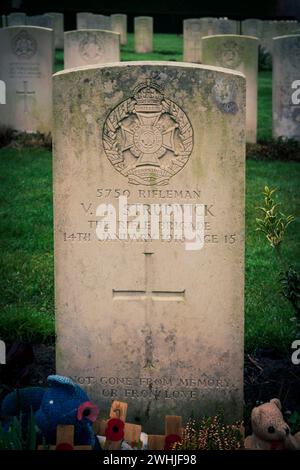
(90, 47)
(148, 138)
(24, 45)
(230, 55)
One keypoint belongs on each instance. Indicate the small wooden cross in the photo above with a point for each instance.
(173, 426)
(132, 432)
(64, 440)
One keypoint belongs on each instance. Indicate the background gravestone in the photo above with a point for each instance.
(286, 70)
(82, 20)
(88, 47)
(225, 26)
(237, 53)
(119, 25)
(58, 26)
(44, 21)
(143, 34)
(150, 322)
(99, 22)
(15, 19)
(252, 27)
(209, 26)
(192, 34)
(26, 63)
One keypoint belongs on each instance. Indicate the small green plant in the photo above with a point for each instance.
(18, 436)
(211, 434)
(273, 223)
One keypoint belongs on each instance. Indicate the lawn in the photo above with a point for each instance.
(26, 284)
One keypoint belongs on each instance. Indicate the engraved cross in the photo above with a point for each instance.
(149, 293)
(25, 93)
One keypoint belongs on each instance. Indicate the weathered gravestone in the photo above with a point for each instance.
(237, 53)
(144, 317)
(82, 20)
(209, 26)
(119, 25)
(252, 27)
(192, 34)
(272, 29)
(143, 34)
(98, 22)
(286, 87)
(226, 26)
(16, 19)
(26, 58)
(44, 21)
(58, 25)
(92, 46)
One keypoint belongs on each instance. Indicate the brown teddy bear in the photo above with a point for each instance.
(269, 430)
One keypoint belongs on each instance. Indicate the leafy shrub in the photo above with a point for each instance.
(273, 223)
(211, 434)
(275, 149)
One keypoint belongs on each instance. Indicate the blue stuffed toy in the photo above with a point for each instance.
(63, 402)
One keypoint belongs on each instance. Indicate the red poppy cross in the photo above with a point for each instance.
(173, 433)
(115, 429)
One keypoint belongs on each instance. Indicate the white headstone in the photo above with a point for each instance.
(155, 322)
(252, 27)
(15, 19)
(225, 26)
(44, 21)
(26, 63)
(91, 46)
(98, 22)
(119, 25)
(192, 34)
(82, 20)
(58, 25)
(143, 34)
(237, 53)
(286, 87)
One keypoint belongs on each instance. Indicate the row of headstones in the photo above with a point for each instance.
(26, 67)
(196, 28)
(116, 23)
(51, 20)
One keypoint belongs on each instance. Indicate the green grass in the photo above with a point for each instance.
(26, 239)
(27, 293)
(267, 314)
(264, 111)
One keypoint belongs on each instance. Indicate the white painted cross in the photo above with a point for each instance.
(25, 93)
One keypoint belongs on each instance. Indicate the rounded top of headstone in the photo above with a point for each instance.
(228, 36)
(287, 36)
(94, 30)
(151, 64)
(21, 26)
